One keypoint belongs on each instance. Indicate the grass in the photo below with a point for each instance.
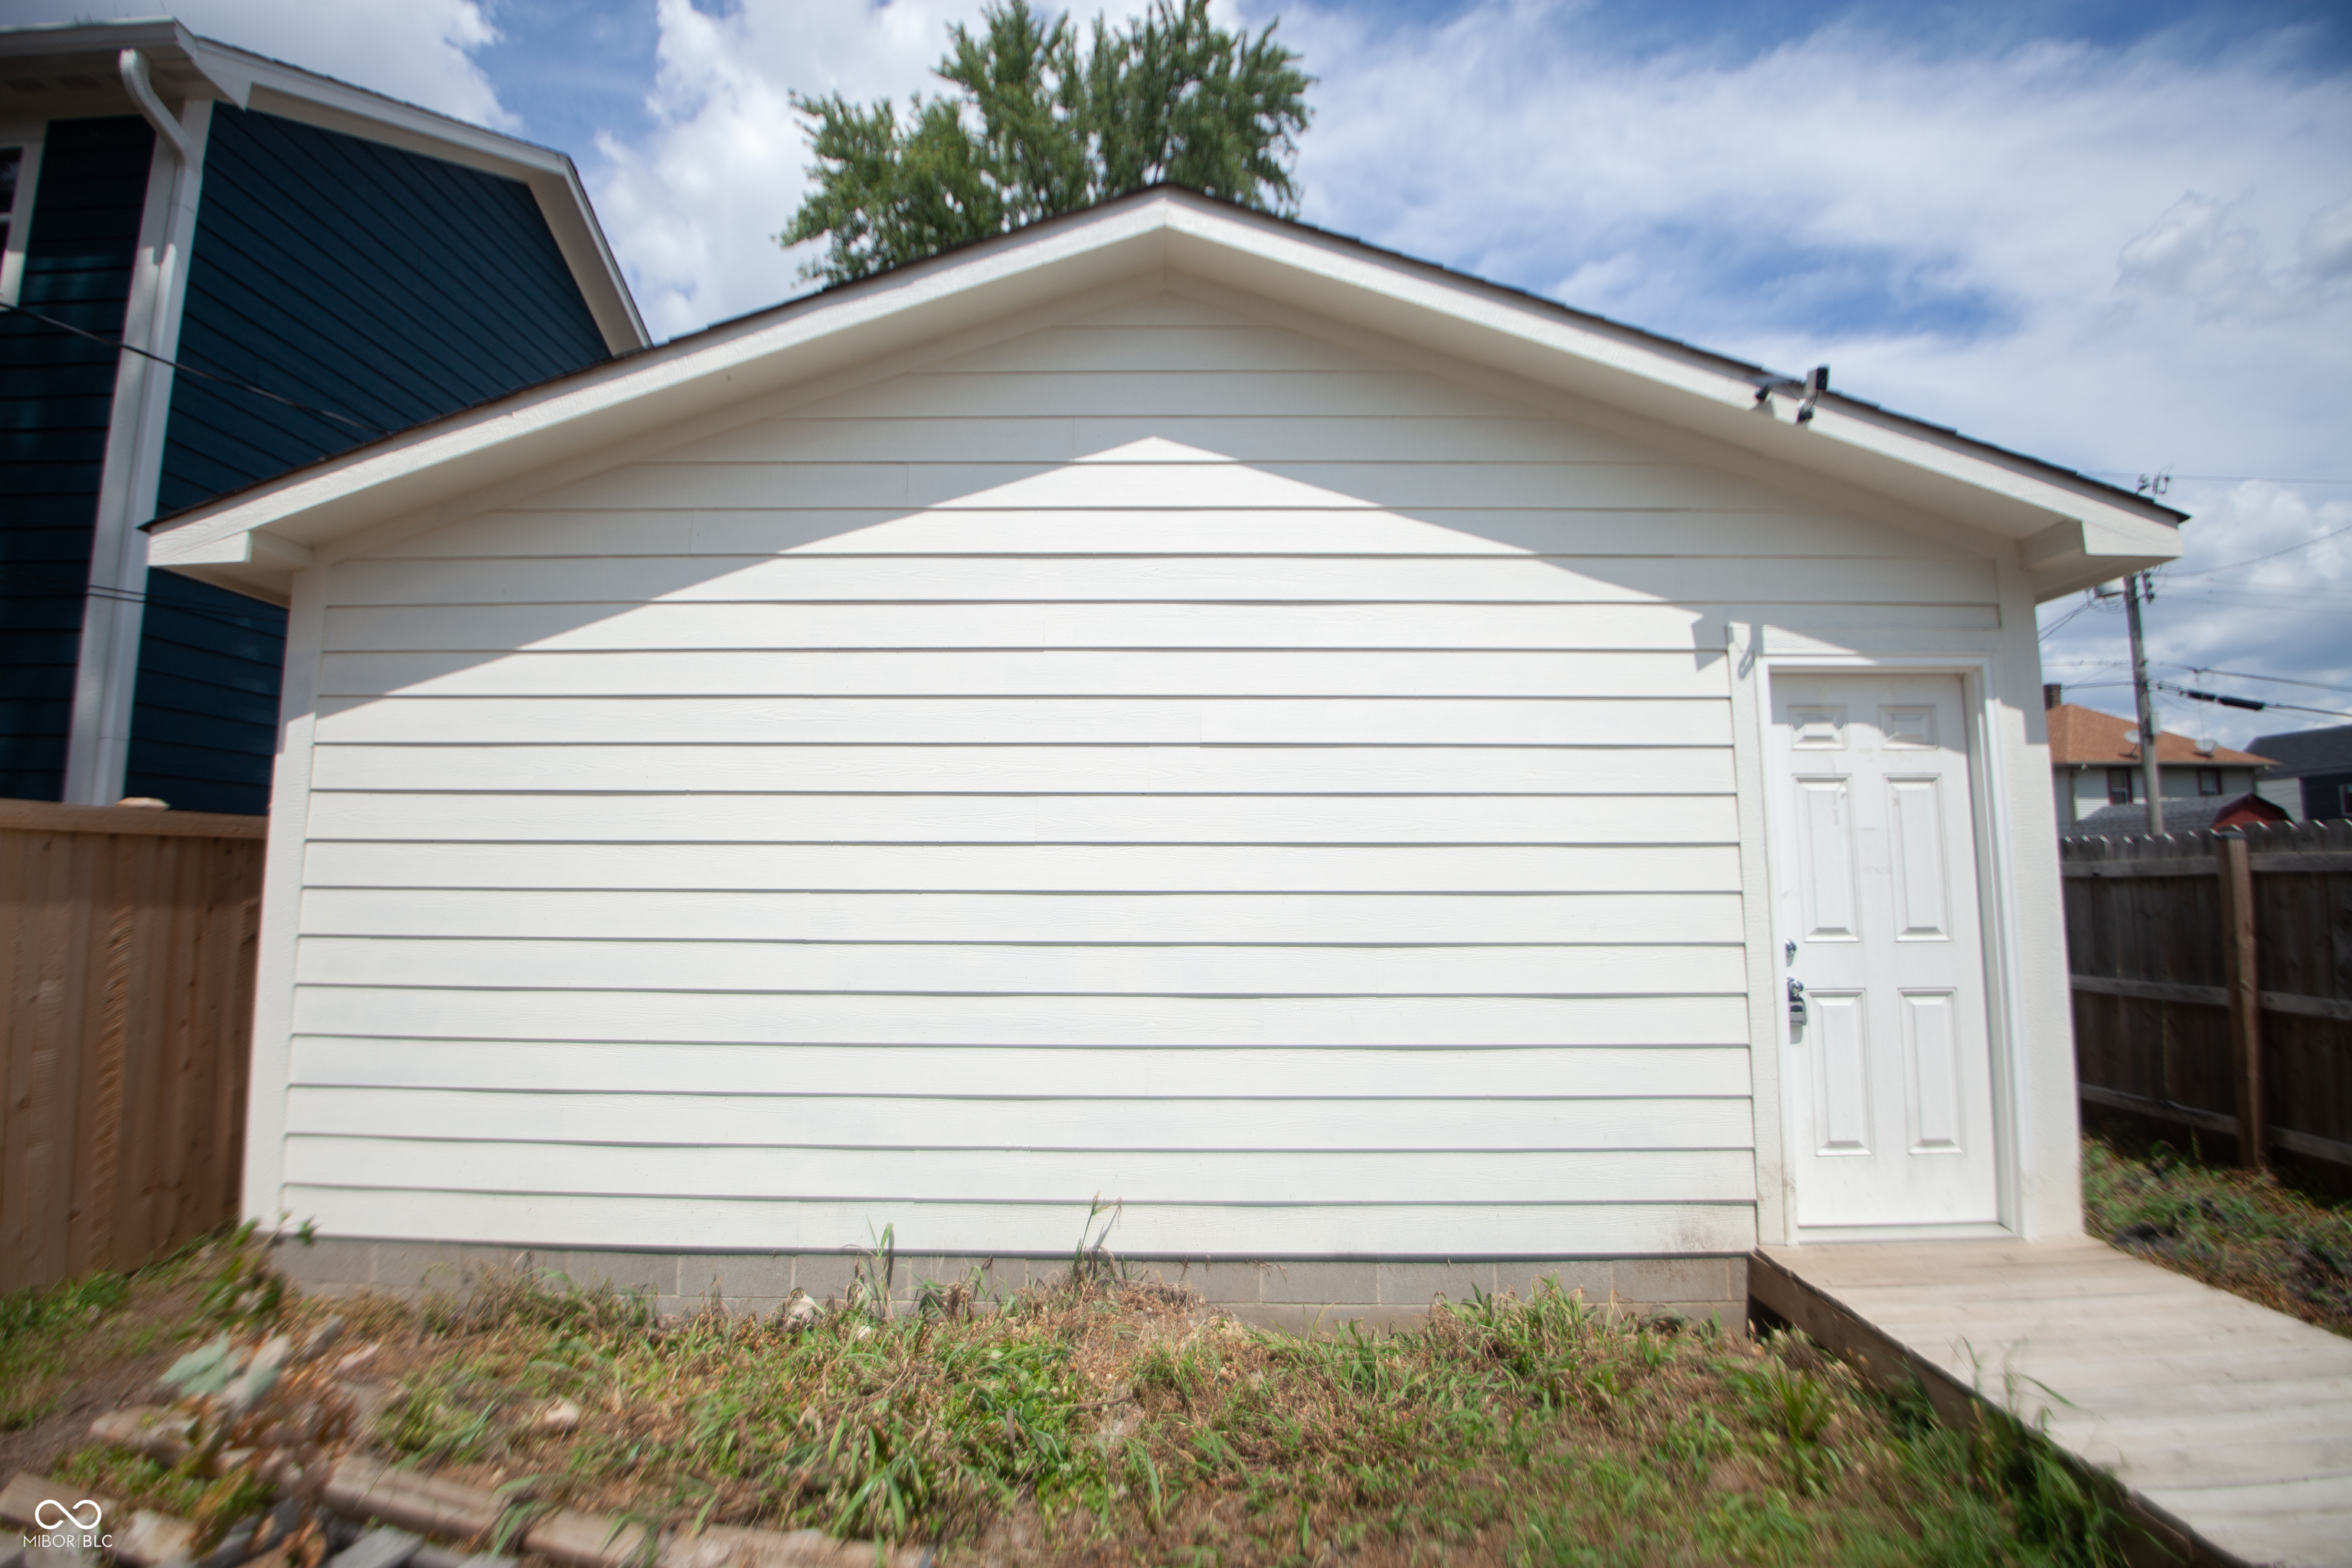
(1106, 1420)
(71, 1351)
(2246, 1234)
(38, 1330)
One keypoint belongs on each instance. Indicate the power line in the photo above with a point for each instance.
(55, 324)
(2246, 675)
(2232, 566)
(256, 620)
(2206, 669)
(2246, 703)
(2055, 626)
(2216, 478)
(2311, 603)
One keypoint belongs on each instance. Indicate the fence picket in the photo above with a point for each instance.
(126, 939)
(2154, 909)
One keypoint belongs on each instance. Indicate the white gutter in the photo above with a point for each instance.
(133, 67)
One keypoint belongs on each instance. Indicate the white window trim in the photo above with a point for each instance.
(20, 216)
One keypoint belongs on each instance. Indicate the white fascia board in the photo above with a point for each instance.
(1942, 473)
(99, 39)
(599, 408)
(91, 51)
(1336, 279)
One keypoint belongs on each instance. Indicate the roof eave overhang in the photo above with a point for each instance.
(184, 67)
(252, 543)
(2073, 532)
(2070, 534)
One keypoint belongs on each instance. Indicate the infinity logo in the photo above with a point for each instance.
(65, 1515)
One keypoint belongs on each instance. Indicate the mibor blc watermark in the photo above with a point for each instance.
(65, 1527)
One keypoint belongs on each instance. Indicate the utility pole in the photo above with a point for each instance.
(2146, 708)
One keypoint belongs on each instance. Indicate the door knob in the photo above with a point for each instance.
(1796, 1003)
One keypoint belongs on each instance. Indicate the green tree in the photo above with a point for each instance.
(1042, 127)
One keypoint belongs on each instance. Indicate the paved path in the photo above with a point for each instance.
(2232, 1421)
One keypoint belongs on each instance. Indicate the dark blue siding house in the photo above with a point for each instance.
(306, 265)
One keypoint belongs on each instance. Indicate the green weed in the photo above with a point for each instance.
(37, 1328)
(2245, 1233)
(1104, 1418)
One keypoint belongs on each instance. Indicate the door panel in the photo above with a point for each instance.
(1918, 806)
(1876, 858)
(1826, 866)
(1932, 1068)
(1841, 1072)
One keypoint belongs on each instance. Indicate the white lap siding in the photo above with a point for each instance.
(1162, 758)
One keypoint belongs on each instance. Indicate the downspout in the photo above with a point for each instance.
(113, 613)
(135, 81)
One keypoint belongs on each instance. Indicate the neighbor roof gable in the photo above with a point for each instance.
(2301, 751)
(44, 62)
(2073, 531)
(2084, 737)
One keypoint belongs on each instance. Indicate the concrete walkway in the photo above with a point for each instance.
(2231, 1423)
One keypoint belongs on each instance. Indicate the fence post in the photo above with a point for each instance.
(2241, 976)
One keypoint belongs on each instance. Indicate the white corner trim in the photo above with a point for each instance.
(98, 745)
(1751, 719)
(281, 903)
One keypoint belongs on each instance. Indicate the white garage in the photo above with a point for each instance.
(1346, 761)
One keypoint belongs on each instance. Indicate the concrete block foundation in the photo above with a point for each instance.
(1299, 1295)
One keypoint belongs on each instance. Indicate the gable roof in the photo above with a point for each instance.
(2088, 737)
(2073, 531)
(2301, 751)
(60, 70)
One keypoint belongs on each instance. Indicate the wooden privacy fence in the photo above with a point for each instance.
(2212, 977)
(130, 944)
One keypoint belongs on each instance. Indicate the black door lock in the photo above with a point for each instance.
(1796, 1003)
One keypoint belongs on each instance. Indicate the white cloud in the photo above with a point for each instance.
(2022, 241)
(2124, 259)
(418, 50)
(2198, 251)
(694, 206)
(1950, 231)
(2119, 258)
(2281, 608)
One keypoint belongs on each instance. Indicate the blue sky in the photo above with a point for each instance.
(2116, 236)
(569, 71)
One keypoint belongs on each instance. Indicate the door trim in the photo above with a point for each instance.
(1753, 670)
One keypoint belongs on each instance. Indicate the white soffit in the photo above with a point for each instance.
(2073, 531)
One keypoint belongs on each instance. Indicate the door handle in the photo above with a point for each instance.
(1796, 1003)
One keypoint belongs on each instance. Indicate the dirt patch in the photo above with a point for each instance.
(61, 1376)
(2249, 1235)
(1099, 1420)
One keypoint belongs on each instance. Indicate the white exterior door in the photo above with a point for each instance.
(1890, 1072)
